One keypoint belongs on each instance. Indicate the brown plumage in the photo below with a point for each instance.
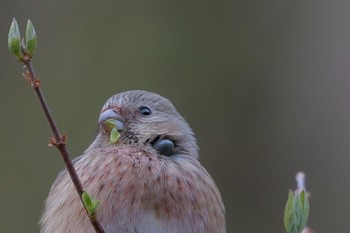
(149, 181)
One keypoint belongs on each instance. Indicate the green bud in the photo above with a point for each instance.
(296, 211)
(31, 39)
(305, 209)
(90, 204)
(114, 134)
(14, 39)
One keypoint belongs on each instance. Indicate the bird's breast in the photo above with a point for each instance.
(143, 192)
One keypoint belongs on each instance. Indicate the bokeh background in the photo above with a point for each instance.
(264, 84)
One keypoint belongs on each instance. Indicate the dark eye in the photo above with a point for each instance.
(145, 111)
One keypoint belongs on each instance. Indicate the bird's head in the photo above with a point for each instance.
(145, 118)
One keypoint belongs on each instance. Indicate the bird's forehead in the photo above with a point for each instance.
(134, 99)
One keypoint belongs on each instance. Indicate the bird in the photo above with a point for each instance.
(149, 181)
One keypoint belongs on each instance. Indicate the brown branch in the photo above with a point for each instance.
(58, 140)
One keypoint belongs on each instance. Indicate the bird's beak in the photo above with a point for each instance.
(112, 114)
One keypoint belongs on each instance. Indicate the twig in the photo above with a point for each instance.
(58, 140)
(24, 52)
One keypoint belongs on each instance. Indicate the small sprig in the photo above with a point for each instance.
(90, 204)
(24, 53)
(297, 208)
(296, 212)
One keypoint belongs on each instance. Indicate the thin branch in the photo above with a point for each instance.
(58, 140)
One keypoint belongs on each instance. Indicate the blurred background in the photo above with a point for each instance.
(265, 85)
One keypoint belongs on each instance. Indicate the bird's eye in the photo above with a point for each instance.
(145, 111)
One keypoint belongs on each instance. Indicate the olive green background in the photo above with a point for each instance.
(265, 85)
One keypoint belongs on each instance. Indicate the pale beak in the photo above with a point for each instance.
(112, 114)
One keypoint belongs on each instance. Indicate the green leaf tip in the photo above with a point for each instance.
(114, 134)
(31, 39)
(306, 208)
(90, 204)
(14, 39)
(296, 211)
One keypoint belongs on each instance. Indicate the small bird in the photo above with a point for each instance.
(149, 181)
